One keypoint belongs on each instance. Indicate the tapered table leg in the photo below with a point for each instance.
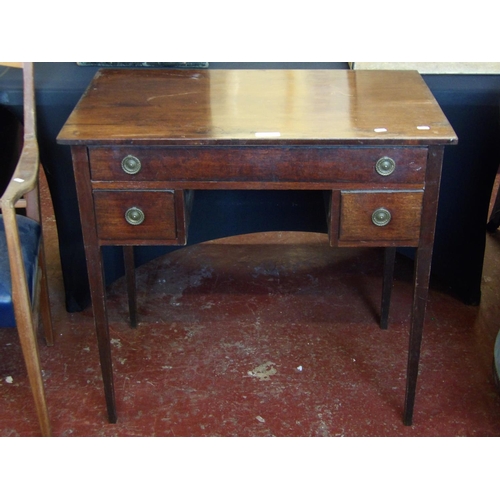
(98, 295)
(93, 256)
(421, 276)
(389, 258)
(420, 294)
(128, 257)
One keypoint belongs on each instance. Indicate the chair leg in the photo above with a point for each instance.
(27, 336)
(24, 318)
(45, 301)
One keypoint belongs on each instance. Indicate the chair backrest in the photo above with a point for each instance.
(25, 253)
(29, 94)
(22, 193)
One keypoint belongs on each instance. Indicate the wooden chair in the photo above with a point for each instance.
(21, 238)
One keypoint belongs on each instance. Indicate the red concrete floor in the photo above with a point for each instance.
(263, 335)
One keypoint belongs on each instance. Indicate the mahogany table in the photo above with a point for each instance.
(145, 143)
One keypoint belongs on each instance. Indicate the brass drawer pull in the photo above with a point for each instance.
(134, 216)
(385, 166)
(381, 217)
(131, 165)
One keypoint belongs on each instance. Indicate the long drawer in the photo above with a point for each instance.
(378, 165)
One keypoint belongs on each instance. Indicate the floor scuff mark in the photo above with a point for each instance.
(264, 371)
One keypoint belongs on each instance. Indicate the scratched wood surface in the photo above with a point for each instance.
(257, 107)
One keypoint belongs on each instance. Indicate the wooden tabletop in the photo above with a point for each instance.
(234, 107)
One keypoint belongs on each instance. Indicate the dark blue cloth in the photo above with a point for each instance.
(29, 234)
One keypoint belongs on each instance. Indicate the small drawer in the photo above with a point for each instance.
(380, 216)
(147, 217)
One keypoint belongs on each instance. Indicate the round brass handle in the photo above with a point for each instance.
(385, 166)
(134, 216)
(381, 217)
(131, 165)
